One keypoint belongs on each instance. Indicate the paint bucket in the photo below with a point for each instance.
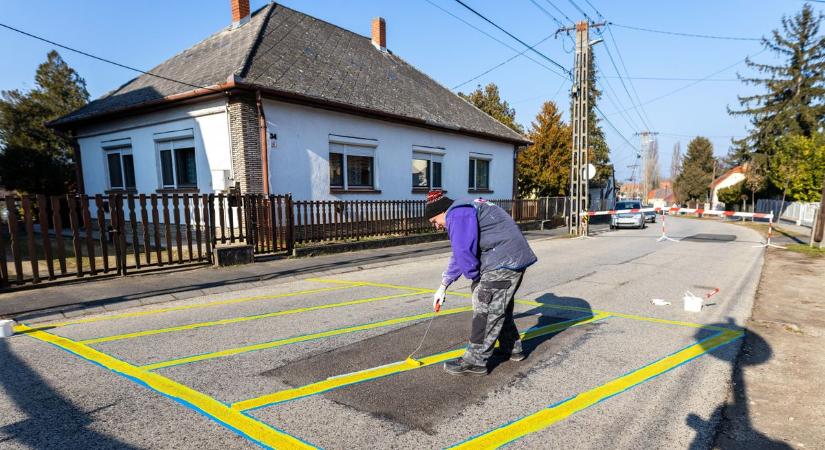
(6, 328)
(692, 302)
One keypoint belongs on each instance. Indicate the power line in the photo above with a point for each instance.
(624, 85)
(560, 11)
(671, 79)
(627, 74)
(503, 63)
(548, 14)
(580, 10)
(693, 35)
(564, 69)
(108, 61)
(460, 19)
(697, 81)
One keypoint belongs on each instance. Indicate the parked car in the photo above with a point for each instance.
(630, 219)
(650, 216)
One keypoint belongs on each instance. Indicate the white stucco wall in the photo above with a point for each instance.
(731, 180)
(210, 129)
(298, 160)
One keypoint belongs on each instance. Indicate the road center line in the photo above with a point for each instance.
(193, 326)
(391, 369)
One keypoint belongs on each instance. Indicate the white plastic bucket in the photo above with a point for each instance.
(6, 328)
(693, 303)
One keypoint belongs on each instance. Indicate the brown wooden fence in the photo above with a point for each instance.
(49, 238)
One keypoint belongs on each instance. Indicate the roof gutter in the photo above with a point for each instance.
(233, 83)
(215, 89)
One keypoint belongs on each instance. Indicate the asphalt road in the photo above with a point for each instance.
(605, 367)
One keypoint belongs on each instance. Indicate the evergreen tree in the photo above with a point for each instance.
(697, 171)
(34, 158)
(489, 100)
(794, 91)
(599, 151)
(544, 167)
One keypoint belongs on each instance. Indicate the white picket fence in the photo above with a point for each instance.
(801, 213)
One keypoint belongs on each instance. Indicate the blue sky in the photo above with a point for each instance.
(143, 34)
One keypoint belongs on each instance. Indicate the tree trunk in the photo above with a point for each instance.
(820, 228)
(753, 204)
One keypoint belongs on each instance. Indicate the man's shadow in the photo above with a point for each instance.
(51, 421)
(735, 429)
(558, 310)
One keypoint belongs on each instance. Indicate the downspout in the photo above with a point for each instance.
(264, 146)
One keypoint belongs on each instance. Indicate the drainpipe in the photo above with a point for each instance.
(264, 142)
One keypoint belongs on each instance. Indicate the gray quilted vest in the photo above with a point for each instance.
(501, 244)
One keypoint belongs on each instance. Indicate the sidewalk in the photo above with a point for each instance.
(83, 297)
(776, 400)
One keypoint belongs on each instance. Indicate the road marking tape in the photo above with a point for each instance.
(302, 338)
(390, 369)
(181, 308)
(243, 424)
(560, 411)
(193, 326)
(547, 305)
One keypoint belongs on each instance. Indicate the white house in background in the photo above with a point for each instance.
(730, 178)
(283, 102)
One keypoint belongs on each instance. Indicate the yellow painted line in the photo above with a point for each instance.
(390, 369)
(302, 338)
(549, 416)
(213, 323)
(542, 305)
(241, 423)
(21, 329)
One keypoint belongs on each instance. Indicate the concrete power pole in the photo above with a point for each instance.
(579, 192)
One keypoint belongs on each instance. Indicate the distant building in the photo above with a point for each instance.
(730, 178)
(662, 196)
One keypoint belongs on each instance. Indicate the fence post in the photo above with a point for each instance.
(290, 224)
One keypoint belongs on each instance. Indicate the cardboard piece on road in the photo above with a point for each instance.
(6, 328)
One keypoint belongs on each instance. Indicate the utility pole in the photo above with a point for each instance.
(579, 180)
(647, 160)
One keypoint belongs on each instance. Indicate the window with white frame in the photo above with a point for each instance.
(426, 170)
(479, 176)
(351, 166)
(120, 167)
(178, 168)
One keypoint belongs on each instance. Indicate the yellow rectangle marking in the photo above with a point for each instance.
(213, 323)
(302, 338)
(542, 305)
(390, 369)
(208, 406)
(549, 416)
(20, 329)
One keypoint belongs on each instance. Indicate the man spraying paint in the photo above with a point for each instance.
(489, 249)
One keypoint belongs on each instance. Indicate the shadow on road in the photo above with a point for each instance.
(51, 422)
(735, 429)
(572, 307)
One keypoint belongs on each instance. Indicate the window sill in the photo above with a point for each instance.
(116, 191)
(193, 190)
(479, 191)
(426, 190)
(354, 191)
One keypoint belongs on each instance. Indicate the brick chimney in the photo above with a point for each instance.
(240, 12)
(379, 33)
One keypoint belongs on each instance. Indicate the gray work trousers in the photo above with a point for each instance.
(493, 297)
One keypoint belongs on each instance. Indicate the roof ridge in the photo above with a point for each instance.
(246, 61)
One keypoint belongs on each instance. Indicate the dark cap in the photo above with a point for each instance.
(437, 203)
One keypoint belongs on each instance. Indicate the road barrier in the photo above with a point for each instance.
(697, 211)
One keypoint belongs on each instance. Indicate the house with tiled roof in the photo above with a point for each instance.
(730, 178)
(279, 102)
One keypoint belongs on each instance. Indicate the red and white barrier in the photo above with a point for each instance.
(698, 211)
(675, 210)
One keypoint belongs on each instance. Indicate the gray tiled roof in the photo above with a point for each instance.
(306, 58)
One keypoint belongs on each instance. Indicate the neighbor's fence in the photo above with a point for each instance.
(86, 236)
(75, 236)
(800, 213)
